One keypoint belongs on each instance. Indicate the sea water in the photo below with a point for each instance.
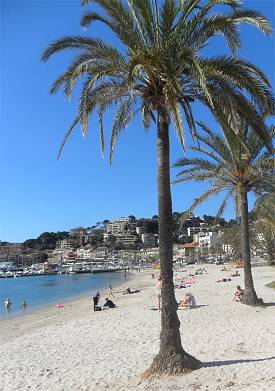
(40, 291)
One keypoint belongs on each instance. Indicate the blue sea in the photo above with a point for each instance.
(40, 291)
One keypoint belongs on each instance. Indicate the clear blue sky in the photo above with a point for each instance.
(39, 193)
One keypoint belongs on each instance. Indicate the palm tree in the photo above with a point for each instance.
(265, 211)
(265, 224)
(158, 73)
(238, 163)
(230, 237)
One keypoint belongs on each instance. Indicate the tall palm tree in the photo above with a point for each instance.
(265, 224)
(158, 73)
(237, 163)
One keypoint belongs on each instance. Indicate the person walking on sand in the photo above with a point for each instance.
(111, 291)
(158, 288)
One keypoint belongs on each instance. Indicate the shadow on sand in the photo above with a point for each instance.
(268, 305)
(232, 362)
(193, 308)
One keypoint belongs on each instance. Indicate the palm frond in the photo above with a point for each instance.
(71, 42)
(252, 17)
(121, 119)
(198, 201)
(67, 134)
(168, 17)
(101, 132)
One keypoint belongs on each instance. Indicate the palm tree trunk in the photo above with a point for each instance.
(270, 250)
(250, 296)
(171, 357)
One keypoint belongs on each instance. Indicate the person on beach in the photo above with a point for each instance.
(158, 288)
(111, 291)
(235, 274)
(238, 295)
(125, 274)
(24, 305)
(96, 299)
(109, 303)
(128, 291)
(224, 280)
(224, 269)
(189, 301)
(8, 304)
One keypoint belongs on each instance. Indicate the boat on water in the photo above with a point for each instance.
(76, 268)
(6, 275)
(106, 270)
(79, 271)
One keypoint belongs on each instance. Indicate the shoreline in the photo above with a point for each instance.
(81, 350)
(52, 314)
(40, 307)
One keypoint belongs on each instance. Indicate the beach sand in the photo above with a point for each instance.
(76, 349)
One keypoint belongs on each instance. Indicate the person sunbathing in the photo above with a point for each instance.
(224, 269)
(238, 295)
(224, 280)
(188, 302)
(235, 274)
(184, 284)
(128, 291)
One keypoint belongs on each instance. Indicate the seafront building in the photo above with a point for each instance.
(11, 248)
(118, 240)
(117, 226)
(126, 238)
(202, 227)
(208, 240)
(149, 239)
(67, 243)
(141, 230)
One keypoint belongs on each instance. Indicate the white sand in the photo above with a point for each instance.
(77, 349)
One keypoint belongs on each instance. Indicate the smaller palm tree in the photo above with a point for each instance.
(237, 163)
(265, 224)
(230, 239)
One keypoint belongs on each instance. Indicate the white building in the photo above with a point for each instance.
(12, 248)
(99, 252)
(141, 230)
(117, 226)
(149, 239)
(207, 239)
(126, 238)
(62, 255)
(192, 230)
(203, 227)
(65, 243)
(120, 225)
(84, 253)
